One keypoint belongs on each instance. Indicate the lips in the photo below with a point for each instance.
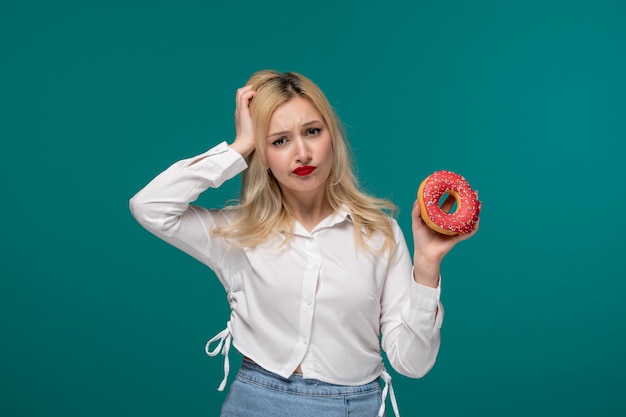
(303, 171)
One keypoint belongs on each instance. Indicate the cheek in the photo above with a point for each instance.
(273, 160)
(328, 149)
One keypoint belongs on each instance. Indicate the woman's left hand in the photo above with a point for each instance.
(430, 247)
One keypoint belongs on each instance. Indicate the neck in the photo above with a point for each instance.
(309, 210)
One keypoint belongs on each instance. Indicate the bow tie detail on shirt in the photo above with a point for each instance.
(388, 388)
(224, 337)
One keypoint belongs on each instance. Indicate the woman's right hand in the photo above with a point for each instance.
(244, 142)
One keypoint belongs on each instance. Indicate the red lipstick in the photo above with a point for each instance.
(303, 171)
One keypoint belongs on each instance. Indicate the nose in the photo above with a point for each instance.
(303, 154)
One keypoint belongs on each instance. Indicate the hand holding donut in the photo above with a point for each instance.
(435, 229)
(244, 140)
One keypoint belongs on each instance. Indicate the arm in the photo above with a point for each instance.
(411, 327)
(163, 206)
(411, 316)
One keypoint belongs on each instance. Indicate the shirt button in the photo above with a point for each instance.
(305, 340)
(309, 302)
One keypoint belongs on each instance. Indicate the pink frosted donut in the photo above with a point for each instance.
(429, 194)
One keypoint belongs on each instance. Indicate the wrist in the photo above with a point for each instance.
(426, 272)
(241, 148)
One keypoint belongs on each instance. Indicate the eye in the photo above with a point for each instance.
(279, 141)
(313, 131)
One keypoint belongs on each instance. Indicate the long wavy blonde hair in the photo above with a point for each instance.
(263, 211)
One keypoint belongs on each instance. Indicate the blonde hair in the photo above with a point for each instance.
(263, 211)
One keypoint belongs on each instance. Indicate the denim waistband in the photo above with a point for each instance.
(256, 374)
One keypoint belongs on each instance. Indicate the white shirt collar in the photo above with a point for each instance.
(335, 218)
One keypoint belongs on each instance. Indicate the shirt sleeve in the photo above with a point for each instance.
(163, 206)
(411, 316)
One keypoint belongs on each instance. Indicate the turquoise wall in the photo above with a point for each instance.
(525, 98)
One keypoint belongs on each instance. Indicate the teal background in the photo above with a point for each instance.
(525, 98)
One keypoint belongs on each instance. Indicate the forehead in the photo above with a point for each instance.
(293, 113)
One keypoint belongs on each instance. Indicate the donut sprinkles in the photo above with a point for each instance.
(429, 194)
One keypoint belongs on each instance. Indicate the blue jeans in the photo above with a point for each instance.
(256, 392)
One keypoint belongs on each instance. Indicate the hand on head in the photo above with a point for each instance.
(244, 140)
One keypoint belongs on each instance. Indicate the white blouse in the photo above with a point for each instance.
(318, 301)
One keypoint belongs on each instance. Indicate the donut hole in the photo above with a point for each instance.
(454, 207)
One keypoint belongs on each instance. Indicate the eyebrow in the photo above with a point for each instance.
(283, 132)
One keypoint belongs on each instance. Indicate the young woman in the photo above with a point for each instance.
(318, 277)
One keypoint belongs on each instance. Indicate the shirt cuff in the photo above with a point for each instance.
(426, 304)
